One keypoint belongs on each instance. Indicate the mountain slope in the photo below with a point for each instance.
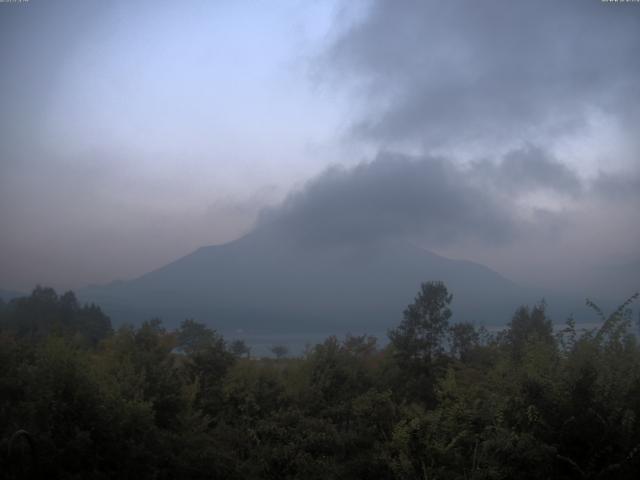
(7, 295)
(264, 282)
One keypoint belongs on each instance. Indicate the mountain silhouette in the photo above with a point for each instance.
(266, 282)
(6, 295)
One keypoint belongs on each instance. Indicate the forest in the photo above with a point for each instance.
(80, 399)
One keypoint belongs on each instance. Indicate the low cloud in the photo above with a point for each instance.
(529, 169)
(618, 187)
(433, 198)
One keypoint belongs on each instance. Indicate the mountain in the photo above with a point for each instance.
(264, 282)
(616, 278)
(7, 295)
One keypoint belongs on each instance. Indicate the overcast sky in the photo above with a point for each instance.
(133, 132)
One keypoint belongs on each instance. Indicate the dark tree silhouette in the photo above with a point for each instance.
(280, 351)
(419, 337)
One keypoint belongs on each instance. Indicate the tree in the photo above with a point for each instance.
(44, 313)
(420, 335)
(279, 351)
(239, 348)
(528, 327)
(207, 361)
(463, 339)
(417, 342)
(193, 336)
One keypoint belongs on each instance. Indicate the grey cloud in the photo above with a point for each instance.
(439, 200)
(396, 195)
(440, 72)
(526, 169)
(618, 187)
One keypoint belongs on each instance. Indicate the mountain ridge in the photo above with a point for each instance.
(265, 281)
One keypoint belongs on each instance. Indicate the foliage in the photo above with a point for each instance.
(79, 400)
(418, 342)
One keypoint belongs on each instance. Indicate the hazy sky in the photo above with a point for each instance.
(133, 132)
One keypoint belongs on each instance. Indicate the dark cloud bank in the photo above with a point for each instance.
(397, 195)
(433, 199)
(441, 72)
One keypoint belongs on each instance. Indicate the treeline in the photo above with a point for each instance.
(440, 401)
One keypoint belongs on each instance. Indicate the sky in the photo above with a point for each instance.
(132, 133)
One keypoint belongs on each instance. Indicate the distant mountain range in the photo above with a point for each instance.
(264, 282)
